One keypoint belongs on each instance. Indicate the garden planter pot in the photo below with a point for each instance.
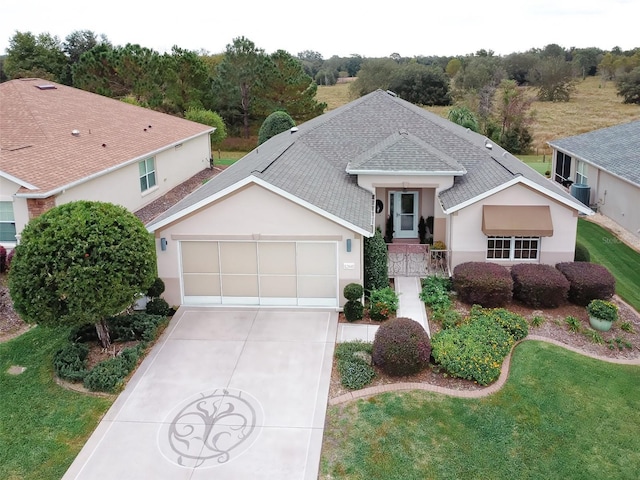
(598, 324)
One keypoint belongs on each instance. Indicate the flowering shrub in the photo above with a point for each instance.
(383, 303)
(603, 310)
(514, 324)
(435, 293)
(401, 347)
(484, 283)
(587, 281)
(538, 285)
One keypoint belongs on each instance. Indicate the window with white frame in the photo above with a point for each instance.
(513, 248)
(7, 223)
(581, 172)
(147, 173)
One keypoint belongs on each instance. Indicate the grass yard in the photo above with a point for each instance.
(227, 158)
(623, 261)
(560, 415)
(42, 425)
(540, 163)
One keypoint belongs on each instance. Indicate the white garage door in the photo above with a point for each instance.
(259, 273)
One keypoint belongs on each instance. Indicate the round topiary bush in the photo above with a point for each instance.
(581, 254)
(353, 310)
(156, 289)
(158, 306)
(353, 291)
(484, 283)
(401, 347)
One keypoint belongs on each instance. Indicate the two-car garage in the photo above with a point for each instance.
(242, 272)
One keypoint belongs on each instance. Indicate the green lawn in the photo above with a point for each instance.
(560, 415)
(540, 163)
(621, 260)
(227, 158)
(42, 425)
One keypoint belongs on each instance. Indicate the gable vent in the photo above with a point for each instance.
(46, 86)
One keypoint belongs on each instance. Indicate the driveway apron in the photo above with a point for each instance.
(225, 394)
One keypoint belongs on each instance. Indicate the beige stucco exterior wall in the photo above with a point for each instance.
(122, 186)
(469, 243)
(255, 213)
(618, 200)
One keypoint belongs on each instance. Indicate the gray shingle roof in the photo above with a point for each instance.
(312, 163)
(614, 149)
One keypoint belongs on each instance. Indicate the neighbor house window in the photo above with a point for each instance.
(513, 248)
(581, 172)
(147, 174)
(7, 223)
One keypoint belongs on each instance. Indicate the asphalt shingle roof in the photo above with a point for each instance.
(614, 149)
(37, 147)
(377, 131)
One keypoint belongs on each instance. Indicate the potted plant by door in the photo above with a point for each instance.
(602, 314)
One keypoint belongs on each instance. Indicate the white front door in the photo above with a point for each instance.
(405, 214)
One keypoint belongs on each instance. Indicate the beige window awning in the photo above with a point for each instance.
(517, 221)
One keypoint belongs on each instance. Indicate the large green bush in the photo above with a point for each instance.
(484, 283)
(401, 347)
(376, 274)
(274, 124)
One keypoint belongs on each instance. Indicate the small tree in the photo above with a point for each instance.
(81, 262)
(208, 117)
(376, 275)
(628, 86)
(274, 124)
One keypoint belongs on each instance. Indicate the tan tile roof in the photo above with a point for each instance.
(38, 148)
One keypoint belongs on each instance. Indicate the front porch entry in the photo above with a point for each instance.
(416, 260)
(403, 208)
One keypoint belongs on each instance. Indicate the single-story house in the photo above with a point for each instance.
(59, 144)
(602, 169)
(285, 225)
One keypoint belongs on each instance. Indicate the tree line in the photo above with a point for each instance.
(240, 87)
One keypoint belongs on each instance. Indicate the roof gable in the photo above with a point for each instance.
(37, 145)
(614, 149)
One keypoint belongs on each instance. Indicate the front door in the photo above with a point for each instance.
(405, 214)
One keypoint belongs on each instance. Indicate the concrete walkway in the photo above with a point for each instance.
(409, 305)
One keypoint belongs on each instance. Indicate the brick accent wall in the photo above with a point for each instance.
(37, 206)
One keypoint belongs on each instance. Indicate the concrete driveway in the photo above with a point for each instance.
(225, 394)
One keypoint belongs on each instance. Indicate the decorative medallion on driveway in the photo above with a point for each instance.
(211, 428)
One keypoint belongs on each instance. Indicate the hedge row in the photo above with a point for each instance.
(484, 283)
(538, 285)
(588, 281)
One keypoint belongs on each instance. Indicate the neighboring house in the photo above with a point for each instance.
(59, 144)
(602, 168)
(285, 225)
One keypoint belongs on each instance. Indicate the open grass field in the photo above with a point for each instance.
(42, 425)
(560, 415)
(621, 260)
(593, 105)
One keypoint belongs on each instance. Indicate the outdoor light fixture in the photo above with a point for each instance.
(163, 244)
(348, 245)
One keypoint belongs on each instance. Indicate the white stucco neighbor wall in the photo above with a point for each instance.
(20, 212)
(255, 213)
(618, 200)
(122, 186)
(469, 243)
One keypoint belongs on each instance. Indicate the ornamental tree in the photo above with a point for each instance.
(81, 262)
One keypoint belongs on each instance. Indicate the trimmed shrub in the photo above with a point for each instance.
(158, 306)
(401, 347)
(383, 303)
(474, 350)
(136, 326)
(3, 259)
(587, 281)
(156, 289)
(84, 333)
(435, 293)
(277, 122)
(376, 275)
(353, 291)
(109, 375)
(514, 324)
(346, 350)
(538, 285)
(484, 283)
(70, 362)
(581, 254)
(353, 310)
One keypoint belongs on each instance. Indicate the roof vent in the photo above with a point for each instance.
(46, 86)
(393, 94)
(294, 129)
(75, 133)
(487, 145)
